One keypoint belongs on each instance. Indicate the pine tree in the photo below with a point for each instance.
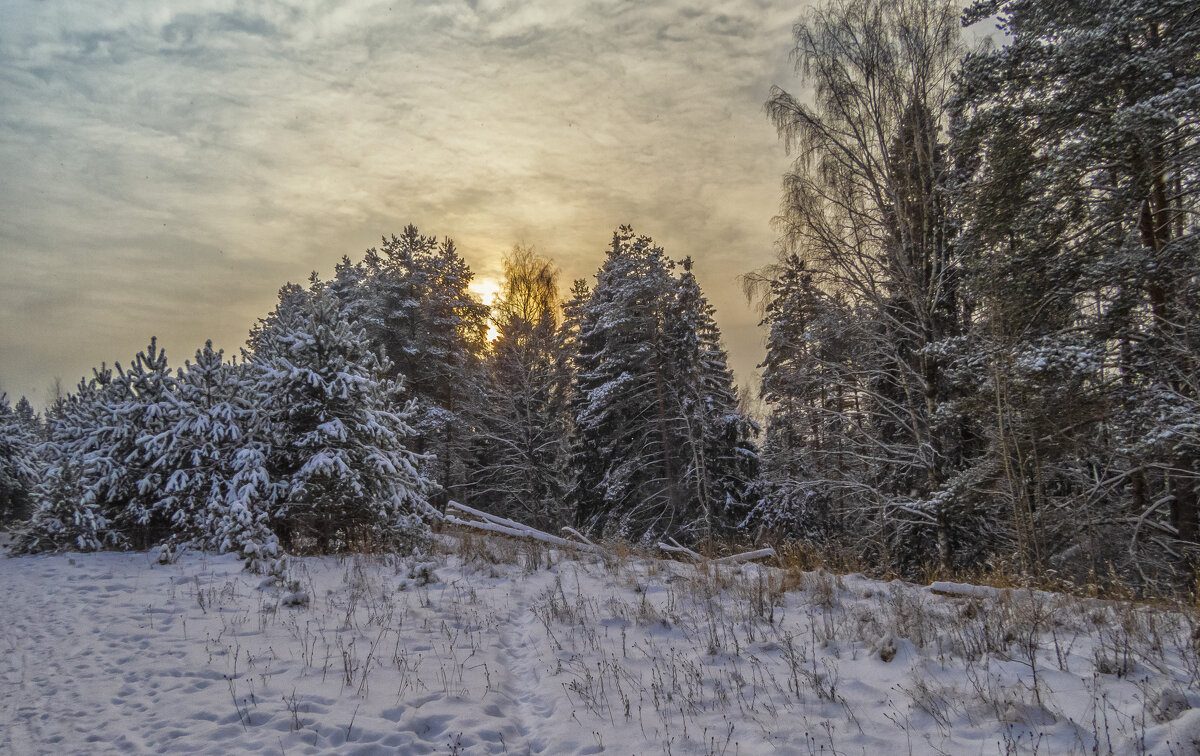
(454, 327)
(1080, 156)
(98, 489)
(411, 298)
(423, 319)
(132, 482)
(338, 431)
(208, 463)
(289, 314)
(20, 434)
(62, 515)
(349, 288)
(626, 466)
(658, 446)
(573, 309)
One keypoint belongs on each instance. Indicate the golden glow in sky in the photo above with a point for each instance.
(486, 290)
(167, 167)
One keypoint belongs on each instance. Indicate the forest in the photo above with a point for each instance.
(982, 345)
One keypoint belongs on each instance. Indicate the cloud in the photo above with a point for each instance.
(168, 168)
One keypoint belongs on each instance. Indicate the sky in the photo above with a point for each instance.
(167, 167)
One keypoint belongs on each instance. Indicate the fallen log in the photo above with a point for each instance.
(674, 547)
(578, 535)
(747, 556)
(494, 524)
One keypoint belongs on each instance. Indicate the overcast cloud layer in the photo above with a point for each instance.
(167, 170)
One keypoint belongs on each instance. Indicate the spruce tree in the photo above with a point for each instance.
(20, 434)
(721, 462)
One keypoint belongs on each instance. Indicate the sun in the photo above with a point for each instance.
(486, 290)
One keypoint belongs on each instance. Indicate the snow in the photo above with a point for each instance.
(490, 646)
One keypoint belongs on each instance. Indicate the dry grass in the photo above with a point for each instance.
(673, 642)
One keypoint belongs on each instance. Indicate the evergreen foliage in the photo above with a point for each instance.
(984, 348)
(99, 487)
(208, 464)
(1079, 151)
(424, 320)
(722, 466)
(410, 298)
(659, 447)
(20, 434)
(337, 429)
(983, 342)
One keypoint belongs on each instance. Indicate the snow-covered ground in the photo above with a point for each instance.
(494, 647)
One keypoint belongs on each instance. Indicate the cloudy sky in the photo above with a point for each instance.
(168, 166)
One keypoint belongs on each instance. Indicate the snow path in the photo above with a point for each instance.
(114, 653)
(518, 658)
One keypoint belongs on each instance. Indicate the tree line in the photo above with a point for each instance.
(982, 332)
(362, 404)
(983, 324)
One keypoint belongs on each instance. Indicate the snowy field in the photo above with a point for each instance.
(491, 647)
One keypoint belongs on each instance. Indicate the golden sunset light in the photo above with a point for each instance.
(565, 377)
(168, 168)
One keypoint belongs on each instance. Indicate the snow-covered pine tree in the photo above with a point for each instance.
(98, 489)
(63, 515)
(396, 284)
(411, 298)
(20, 434)
(424, 320)
(721, 465)
(1080, 150)
(209, 461)
(131, 482)
(433, 330)
(349, 288)
(521, 444)
(338, 453)
(658, 446)
(454, 324)
(287, 315)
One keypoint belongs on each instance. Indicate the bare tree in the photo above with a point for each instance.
(521, 441)
(864, 214)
